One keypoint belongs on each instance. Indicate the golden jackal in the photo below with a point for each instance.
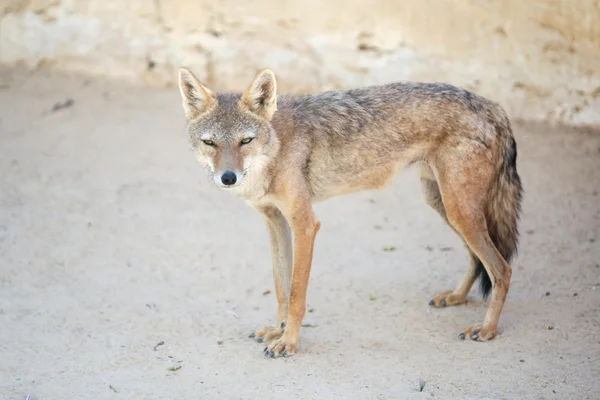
(282, 153)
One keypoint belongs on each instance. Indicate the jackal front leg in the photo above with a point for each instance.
(281, 254)
(305, 226)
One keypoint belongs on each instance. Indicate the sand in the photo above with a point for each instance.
(113, 240)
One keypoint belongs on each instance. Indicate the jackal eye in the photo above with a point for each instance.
(209, 142)
(247, 140)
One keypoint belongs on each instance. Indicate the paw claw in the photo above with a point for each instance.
(479, 333)
(461, 336)
(252, 335)
(447, 299)
(268, 334)
(282, 324)
(281, 348)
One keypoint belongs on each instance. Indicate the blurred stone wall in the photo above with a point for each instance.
(539, 58)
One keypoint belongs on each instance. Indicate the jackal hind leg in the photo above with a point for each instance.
(464, 194)
(433, 197)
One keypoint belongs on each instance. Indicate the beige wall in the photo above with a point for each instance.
(539, 58)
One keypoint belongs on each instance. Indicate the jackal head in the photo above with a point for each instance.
(231, 134)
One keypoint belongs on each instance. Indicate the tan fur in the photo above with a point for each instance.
(288, 152)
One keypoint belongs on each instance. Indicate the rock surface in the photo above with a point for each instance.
(539, 58)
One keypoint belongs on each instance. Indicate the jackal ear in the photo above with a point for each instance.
(261, 96)
(196, 97)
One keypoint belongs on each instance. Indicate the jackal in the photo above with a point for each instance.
(283, 153)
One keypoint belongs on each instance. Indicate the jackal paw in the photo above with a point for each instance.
(282, 347)
(448, 298)
(478, 333)
(268, 333)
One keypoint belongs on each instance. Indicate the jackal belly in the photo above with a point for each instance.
(332, 175)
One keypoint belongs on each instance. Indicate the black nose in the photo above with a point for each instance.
(228, 178)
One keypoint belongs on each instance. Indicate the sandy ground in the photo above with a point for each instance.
(113, 240)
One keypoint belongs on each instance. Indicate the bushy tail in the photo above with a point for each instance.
(504, 203)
